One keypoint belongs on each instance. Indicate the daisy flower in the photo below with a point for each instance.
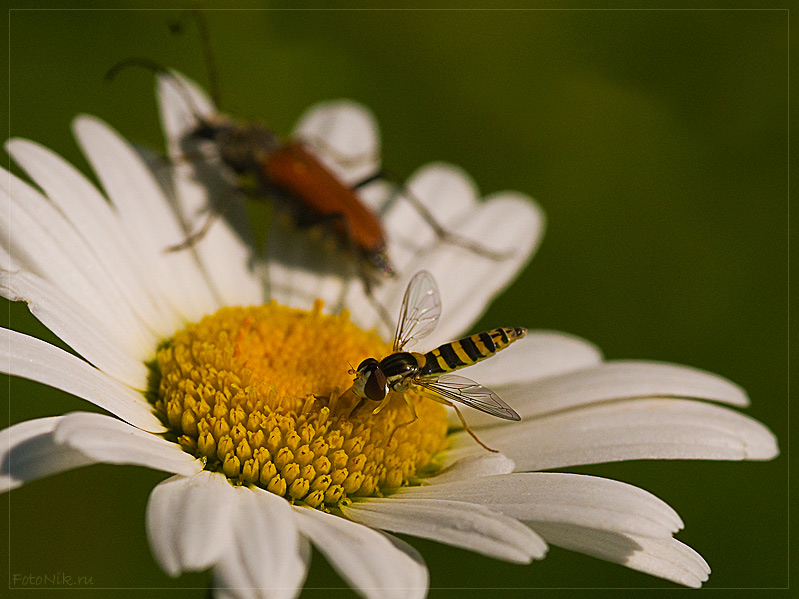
(236, 391)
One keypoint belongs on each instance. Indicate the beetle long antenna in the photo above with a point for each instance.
(158, 69)
(209, 56)
(208, 52)
(135, 61)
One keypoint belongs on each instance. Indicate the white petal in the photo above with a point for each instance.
(6, 261)
(266, 557)
(28, 451)
(539, 355)
(345, 136)
(112, 441)
(666, 558)
(36, 235)
(473, 466)
(31, 358)
(366, 559)
(620, 380)
(77, 327)
(663, 428)
(145, 212)
(189, 521)
(587, 501)
(469, 526)
(202, 184)
(94, 219)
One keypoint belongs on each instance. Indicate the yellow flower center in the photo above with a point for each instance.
(262, 394)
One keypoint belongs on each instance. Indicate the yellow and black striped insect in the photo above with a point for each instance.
(428, 373)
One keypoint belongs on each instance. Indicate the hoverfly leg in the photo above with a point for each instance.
(361, 401)
(414, 417)
(471, 432)
(383, 404)
(467, 428)
(340, 403)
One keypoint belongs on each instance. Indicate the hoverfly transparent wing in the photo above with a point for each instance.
(420, 311)
(469, 393)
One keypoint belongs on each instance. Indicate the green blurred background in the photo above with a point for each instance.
(657, 143)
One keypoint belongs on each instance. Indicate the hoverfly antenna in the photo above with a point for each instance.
(158, 69)
(209, 56)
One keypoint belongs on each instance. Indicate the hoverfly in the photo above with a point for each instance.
(427, 374)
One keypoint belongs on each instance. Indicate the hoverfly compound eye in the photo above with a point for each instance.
(376, 387)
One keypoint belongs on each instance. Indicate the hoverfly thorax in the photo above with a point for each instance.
(399, 368)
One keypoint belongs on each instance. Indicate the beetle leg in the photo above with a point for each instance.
(441, 232)
(375, 176)
(210, 219)
(347, 161)
(379, 308)
(450, 237)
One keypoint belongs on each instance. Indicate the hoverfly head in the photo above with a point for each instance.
(370, 382)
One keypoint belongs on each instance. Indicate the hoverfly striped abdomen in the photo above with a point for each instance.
(469, 350)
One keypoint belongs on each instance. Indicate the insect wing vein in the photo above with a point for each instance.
(420, 310)
(468, 392)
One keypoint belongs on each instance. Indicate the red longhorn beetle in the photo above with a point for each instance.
(287, 170)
